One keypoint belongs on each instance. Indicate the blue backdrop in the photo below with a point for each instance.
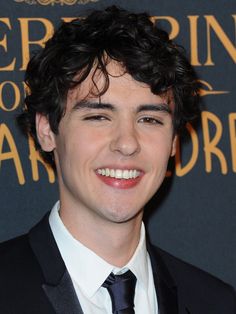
(193, 216)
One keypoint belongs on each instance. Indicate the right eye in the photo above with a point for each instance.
(97, 117)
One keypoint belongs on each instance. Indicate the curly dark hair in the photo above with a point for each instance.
(143, 50)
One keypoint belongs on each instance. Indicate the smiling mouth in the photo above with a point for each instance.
(119, 173)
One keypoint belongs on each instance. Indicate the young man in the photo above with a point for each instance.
(107, 96)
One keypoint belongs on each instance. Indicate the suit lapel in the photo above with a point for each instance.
(169, 300)
(58, 285)
(165, 286)
(63, 296)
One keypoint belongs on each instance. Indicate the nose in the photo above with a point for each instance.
(125, 140)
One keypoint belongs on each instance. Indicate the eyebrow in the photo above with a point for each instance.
(85, 104)
(154, 107)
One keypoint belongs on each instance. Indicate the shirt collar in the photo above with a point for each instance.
(86, 268)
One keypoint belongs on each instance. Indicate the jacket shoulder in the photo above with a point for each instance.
(18, 262)
(14, 251)
(197, 286)
(21, 278)
(179, 268)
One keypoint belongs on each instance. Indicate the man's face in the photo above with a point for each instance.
(111, 154)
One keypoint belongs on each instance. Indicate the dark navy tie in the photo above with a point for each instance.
(121, 289)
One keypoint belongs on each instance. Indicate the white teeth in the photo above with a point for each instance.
(112, 173)
(126, 174)
(119, 174)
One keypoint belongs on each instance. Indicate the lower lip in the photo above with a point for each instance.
(120, 183)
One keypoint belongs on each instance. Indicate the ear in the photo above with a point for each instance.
(174, 143)
(45, 135)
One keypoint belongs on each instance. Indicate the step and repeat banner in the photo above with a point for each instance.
(193, 216)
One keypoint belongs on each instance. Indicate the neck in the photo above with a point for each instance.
(112, 241)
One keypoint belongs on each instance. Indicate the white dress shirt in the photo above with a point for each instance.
(88, 271)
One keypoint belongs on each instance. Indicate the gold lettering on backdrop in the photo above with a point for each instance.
(212, 24)
(210, 145)
(68, 19)
(193, 40)
(16, 91)
(173, 23)
(26, 42)
(183, 170)
(12, 154)
(209, 90)
(52, 2)
(35, 159)
(3, 43)
(212, 125)
(232, 133)
(47, 2)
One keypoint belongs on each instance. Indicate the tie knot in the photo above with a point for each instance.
(121, 289)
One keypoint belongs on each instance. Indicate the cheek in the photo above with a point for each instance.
(159, 145)
(159, 155)
(76, 150)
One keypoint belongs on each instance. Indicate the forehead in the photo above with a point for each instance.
(122, 89)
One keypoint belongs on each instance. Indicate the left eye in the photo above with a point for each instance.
(150, 120)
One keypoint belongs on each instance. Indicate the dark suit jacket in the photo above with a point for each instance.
(34, 280)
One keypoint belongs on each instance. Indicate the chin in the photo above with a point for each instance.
(123, 216)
